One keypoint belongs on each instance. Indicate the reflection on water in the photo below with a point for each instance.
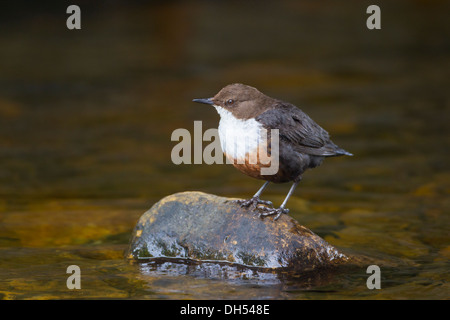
(86, 118)
(221, 278)
(207, 270)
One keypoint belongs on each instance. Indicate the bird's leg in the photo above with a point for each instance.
(282, 208)
(255, 200)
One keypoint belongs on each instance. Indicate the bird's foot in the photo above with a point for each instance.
(272, 211)
(253, 202)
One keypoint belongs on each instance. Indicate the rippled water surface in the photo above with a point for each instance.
(86, 118)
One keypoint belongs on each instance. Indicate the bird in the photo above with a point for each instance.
(302, 144)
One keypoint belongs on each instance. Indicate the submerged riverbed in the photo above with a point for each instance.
(85, 141)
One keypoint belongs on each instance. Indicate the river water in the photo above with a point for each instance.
(86, 118)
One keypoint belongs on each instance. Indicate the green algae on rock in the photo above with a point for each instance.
(204, 227)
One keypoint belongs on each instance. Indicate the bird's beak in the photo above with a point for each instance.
(205, 101)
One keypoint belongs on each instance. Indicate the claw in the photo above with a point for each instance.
(253, 202)
(272, 211)
(266, 202)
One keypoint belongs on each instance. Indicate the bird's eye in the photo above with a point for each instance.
(229, 102)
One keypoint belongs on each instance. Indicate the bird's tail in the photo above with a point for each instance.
(342, 152)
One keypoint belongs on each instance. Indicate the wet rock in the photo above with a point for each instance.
(204, 227)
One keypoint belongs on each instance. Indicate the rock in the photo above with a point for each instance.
(204, 227)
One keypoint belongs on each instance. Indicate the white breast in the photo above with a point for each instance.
(237, 137)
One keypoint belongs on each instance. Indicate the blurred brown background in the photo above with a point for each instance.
(86, 118)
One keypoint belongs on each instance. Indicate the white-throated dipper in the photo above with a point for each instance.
(302, 144)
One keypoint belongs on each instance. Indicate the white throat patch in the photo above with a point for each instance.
(237, 137)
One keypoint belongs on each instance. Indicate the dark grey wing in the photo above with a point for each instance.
(298, 129)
